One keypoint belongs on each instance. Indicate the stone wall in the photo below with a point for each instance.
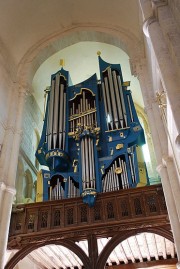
(175, 8)
(28, 165)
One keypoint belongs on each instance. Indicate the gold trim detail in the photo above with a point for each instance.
(118, 170)
(117, 129)
(119, 146)
(86, 89)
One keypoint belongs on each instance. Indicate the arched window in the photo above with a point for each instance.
(35, 145)
(28, 186)
(148, 149)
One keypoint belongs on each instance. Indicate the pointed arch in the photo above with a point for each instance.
(65, 243)
(118, 238)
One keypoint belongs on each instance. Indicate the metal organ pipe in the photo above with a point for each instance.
(87, 162)
(119, 106)
(50, 116)
(55, 114)
(108, 102)
(61, 112)
(114, 180)
(114, 106)
(131, 169)
(114, 100)
(130, 109)
(64, 120)
(122, 99)
(83, 163)
(90, 164)
(105, 104)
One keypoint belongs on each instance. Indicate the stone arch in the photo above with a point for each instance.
(118, 238)
(19, 181)
(48, 46)
(65, 243)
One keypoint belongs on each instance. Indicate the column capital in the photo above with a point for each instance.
(2, 186)
(160, 167)
(177, 141)
(166, 160)
(137, 66)
(154, 18)
(150, 103)
(146, 24)
(156, 4)
(11, 190)
(24, 88)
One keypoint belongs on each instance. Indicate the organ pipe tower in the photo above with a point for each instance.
(91, 139)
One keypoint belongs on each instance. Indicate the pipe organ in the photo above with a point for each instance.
(91, 138)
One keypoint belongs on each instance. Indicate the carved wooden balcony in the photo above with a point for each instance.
(124, 210)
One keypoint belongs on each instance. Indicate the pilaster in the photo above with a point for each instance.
(173, 180)
(8, 195)
(172, 212)
(8, 164)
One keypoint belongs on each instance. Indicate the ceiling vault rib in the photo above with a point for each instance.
(147, 247)
(48, 260)
(138, 249)
(125, 259)
(156, 249)
(39, 257)
(56, 256)
(63, 257)
(132, 255)
(39, 264)
(164, 251)
(67, 257)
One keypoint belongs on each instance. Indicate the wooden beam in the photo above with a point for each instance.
(93, 250)
(162, 264)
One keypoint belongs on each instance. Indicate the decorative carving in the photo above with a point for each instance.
(15, 242)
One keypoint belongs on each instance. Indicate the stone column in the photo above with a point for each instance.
(151, 108)
(160, 142)
(168, 72)
(2, 189)
(10, 173)
(173, 180)
(173, 216)
(8, 197)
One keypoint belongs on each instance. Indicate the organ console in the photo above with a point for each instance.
(91, 139)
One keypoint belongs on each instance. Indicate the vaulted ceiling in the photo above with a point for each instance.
(25, 23)
(33, 31)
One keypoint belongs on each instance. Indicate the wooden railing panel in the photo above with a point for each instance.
(114, 208)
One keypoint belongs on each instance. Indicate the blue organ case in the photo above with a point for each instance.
(91, 139)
